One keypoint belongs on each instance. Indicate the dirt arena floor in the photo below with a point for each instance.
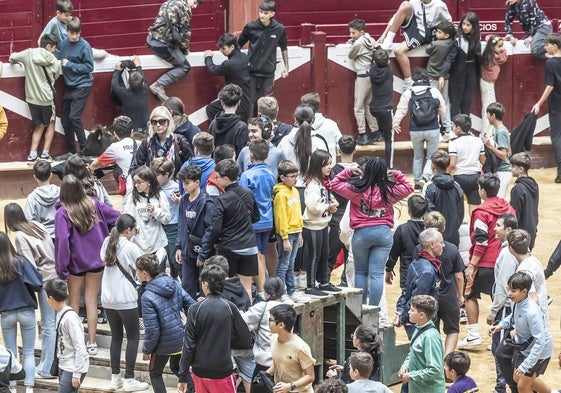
(549, 234)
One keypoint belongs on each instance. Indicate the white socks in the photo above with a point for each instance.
(389, 38)
(473, 330)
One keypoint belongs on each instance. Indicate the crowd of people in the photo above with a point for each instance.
(250, 216)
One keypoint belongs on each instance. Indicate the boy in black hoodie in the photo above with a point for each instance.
(381, 106)
(446, 196)
(525, 195)
(235, 70)
(405, 239)
(214, 326)
(227, 127)
(232, 215)
(264, 35)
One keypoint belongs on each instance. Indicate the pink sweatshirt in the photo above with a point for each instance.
(491, 74)
(367, 208)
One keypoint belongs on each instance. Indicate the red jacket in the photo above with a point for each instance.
(482, 230)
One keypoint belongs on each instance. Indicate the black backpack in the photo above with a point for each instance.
(424, 108)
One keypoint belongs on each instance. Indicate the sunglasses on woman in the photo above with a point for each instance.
(161, 122)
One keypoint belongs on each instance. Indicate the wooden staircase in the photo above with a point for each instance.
(325, 324)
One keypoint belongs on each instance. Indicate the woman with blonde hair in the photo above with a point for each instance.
(81, 225)
(162, 142)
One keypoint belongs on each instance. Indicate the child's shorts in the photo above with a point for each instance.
(470, 186)
(538, 369)
(41, 114)
(245, 265)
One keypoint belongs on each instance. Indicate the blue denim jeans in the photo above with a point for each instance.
(65, 382)
(418, 139)
(371, 247)
(28, 325)
(48, 335)
(285, 267)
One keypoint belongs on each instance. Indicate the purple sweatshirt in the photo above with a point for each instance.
(77, 253)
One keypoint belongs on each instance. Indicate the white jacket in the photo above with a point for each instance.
(117, 293)
(152, 236)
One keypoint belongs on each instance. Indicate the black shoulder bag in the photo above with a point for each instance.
(139, 288)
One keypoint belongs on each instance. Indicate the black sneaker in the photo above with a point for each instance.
(329, 288)
(362, 140)
(31, 160)
(315, 293)
(418, 188)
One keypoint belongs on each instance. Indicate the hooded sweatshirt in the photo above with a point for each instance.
(483, 220)
(40, 206)
(524, 199)
(152, 236)
(367, 208)
(260, 180)
(287, 210)
(41, 70)
(206, 164)
(227, 128)
(361, 54)
(76, 252)
(446, 196)
(381, 79)
(40, 252)
(329, 130)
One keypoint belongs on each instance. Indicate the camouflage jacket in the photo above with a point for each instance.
(179, 14)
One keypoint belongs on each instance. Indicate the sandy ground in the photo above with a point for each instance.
(549, 233)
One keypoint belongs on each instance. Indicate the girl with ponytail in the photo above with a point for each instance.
(119, 298)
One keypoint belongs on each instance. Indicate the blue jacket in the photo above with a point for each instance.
(188, 130)
(16, 294)
(422, 279)
(260, 180)
(78, 71)
(207, 167)
(162, 301)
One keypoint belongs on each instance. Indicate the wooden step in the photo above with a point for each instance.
(90, 385)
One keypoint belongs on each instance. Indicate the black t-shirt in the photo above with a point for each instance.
(553, 78)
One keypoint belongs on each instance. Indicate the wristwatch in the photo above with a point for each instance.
(292, 386)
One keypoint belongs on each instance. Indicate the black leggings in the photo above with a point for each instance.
(316, 250)
(129, 320)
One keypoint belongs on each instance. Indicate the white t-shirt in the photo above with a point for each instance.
(534, 268)
(119, 153)
(467, 149)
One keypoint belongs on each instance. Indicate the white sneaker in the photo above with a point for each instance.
(286, 299)
(301, 281)
(92, 349)
(299, 297)
(469, 342)
(133, 385)
(116, 382)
